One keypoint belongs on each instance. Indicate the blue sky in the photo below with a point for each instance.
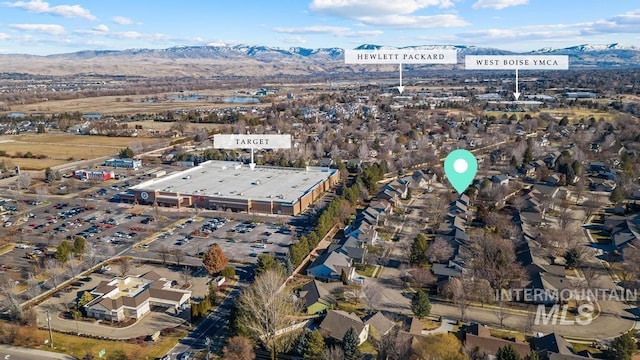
(48, 27)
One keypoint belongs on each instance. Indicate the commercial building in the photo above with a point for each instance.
(124, 163)
(132, 297)
(232, 186)
(93, 175)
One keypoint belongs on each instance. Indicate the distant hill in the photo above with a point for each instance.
(256, 61)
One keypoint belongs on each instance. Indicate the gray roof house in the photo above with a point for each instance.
(330, 265)
(338, 322)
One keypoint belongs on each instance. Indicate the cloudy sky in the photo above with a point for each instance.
(47, 27)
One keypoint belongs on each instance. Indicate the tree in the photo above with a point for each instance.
(439, 251)
(214, 259)
(178, 255)
(420, 304)
(268, 262)
(84, 299)
(63, 251)
(164, 252)
(419, 247)
(527, 157)
(124, 263)
(314, 345)
(507, 353)
(266, 307)
(532, 355)
(573, 258)
(617, 195)
(78, 245)
(350, 345)
(126, 153)
(239, 348)
(333, 353)
(622, 348)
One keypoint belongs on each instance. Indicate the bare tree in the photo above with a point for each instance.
(501, 313)
(54, 270)
(266, 307)
(239, 348)
(186, 274)
(164, 252)
(24, 180)
(333, 353)
(590, 273)
(178, 255)
(124, 264)
(372, 293)
(10, 301)
(458, 291)
(564, 218)
(422, 277)
(439, 251)
(33, 287)
(393, 347)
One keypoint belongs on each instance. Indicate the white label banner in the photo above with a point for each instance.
(252, 141)
(397, 56)
(513, 62)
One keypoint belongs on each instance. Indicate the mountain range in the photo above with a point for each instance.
(256, 61)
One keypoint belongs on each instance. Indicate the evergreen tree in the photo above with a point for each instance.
(420, 304)
(532, 355)
(268, 262)
(622, 348)
(350, 345)
(527, 157)
(300, 345)
(507, 353)
(315, 345)
(418, 250)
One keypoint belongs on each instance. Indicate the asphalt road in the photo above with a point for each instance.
(214, 326)
(18, 353)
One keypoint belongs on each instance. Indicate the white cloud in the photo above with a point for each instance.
(42, 7)
(339, 31)
(416, 22)
(358, 8)
(126, 35)
(293, 40)
(4, 36)
(498, 4)
(52, 29)
(121, 20)
(311, 29)
(101, 28)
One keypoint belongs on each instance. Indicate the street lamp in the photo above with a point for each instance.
(50, 332)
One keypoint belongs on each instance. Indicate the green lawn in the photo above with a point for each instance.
(366, 271)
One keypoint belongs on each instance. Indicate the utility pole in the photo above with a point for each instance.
(50, 332)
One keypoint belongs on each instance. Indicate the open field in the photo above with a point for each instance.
(80, 346)
(128, 104)
(59, 148)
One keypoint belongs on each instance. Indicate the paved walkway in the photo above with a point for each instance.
(444, 328)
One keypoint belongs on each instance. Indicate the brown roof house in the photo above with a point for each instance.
(338, 322)
(131, 297)
(478, 336)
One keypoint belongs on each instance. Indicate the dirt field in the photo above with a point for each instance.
(59, 148)
(119, 105)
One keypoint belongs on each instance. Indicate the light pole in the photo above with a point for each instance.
(50, 332)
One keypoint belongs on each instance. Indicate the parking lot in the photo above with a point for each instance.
(241, 240)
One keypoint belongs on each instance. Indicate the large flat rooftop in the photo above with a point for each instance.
(235, 180)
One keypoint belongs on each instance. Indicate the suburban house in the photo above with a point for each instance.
(479, 337)
(623, 229)
(555, 347)
(338, 322)
(380, 324)
(132, 297)
(316, 297)
(331, 265)
(500, 179)
(421, 179)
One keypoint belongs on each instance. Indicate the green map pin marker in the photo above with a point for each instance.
(460, 166)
